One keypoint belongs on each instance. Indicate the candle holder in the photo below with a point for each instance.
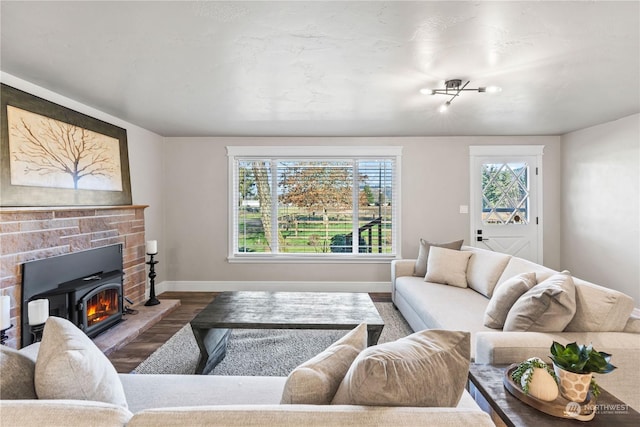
(152, 279)
(3, 335)
(36, 331)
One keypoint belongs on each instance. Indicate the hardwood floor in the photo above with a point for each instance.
(191, 303)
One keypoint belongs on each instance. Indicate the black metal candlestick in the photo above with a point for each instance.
(3, 335)
(152, 279)
(36, 331)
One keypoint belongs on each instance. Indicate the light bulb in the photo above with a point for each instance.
(427, 91)
(444, 107)
(493, 89)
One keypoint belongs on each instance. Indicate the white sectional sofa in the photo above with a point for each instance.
(69, 361)
(603, 317)
(207, 400)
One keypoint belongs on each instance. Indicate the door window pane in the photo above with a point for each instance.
(505, 193)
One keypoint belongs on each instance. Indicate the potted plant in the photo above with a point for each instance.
(537, 379)
(575, 365)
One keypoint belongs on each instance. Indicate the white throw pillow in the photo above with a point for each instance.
(316, 381)
(504, 296)
(70, 366)
(420, 268)
(447, 266)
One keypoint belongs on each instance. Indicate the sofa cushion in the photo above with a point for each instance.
(505, 296)
(16, 374)
(517, 265)
(547, 307)
(447, 266)
(599, 309)
(427, 368)
(316, 381)
(484, 270)
(70, 366)
(431, 303)
(420, 268)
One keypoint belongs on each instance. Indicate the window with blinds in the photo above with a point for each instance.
(312, 205)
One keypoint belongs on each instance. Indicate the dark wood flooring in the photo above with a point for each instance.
(191, 303)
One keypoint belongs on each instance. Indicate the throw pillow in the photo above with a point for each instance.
(316, 381)
(16, 377)
(420, 268)
(70, 366)
(504, 296)
(547, 307)
(447, 266)
(427, 368)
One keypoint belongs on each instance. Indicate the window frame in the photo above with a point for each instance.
(274, 153)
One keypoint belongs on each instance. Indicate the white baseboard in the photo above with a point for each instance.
(222, 286)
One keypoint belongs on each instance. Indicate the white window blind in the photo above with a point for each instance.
(304, 202)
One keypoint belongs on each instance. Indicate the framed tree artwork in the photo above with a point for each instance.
(54, 156)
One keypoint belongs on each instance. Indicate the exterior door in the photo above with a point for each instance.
(506, 200)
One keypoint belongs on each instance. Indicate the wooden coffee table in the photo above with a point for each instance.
(505, 409)
(279, 310)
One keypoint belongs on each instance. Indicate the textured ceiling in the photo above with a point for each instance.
(332, 68)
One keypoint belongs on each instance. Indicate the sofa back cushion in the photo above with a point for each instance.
(517, 266)
(16, 375)
(599, 309)
(484, 269)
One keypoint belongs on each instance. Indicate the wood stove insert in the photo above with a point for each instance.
(84, 287)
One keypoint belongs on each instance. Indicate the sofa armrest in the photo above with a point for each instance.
(399, 268)
(513, 347)
(80, 413)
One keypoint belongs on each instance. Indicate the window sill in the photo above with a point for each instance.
(311, 259)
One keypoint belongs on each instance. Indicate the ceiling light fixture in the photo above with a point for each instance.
(454, 88)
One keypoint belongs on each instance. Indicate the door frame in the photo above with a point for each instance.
(475, 180)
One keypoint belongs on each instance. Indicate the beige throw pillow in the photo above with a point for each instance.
(504, 296)
(420, 268)
(427, 368)
(16, 375)
(547, 307)
(70, 366)
(447, 266)
(316, 381)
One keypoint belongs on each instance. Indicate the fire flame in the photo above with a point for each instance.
(102, 306)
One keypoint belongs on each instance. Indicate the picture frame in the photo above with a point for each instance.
(51, 155)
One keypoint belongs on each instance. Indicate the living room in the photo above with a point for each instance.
(569, 80)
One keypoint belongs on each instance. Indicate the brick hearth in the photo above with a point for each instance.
(28, 234)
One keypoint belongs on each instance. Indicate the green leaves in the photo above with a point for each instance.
(581, 359)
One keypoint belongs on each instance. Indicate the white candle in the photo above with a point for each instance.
(38, 311)
(152, 247)
(5, 312)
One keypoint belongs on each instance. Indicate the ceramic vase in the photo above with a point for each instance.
(573, 387)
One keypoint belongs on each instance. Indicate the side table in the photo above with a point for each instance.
(486, 386)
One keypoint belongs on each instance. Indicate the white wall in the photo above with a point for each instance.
(145, 159)
(435, 181)
(600, 214)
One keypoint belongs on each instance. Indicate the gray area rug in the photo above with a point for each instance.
(261, 352)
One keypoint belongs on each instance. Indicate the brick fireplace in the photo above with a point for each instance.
(28, 234)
